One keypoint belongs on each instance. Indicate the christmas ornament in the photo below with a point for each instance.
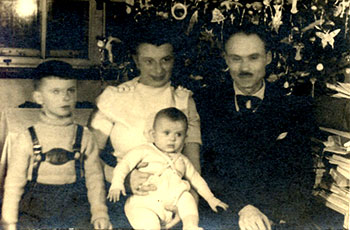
(181, 7)
(276, 18)
(298, 46)
(207, 35)
(229, 3)
(327, 37)
(164, 15)
(341, 8)
(108, 47)
(217, 16)
(319, 67)
(129, 4)
(294, 9)
(232, 18)
(313, 81)
(145, 4)
(193, 20)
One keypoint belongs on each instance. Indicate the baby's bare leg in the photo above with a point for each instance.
(143, 218)
(188, 211)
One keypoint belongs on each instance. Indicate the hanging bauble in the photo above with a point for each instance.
(299, 46)
(129, 3)
(179, 11)
(319, 67)
(345, 60)
(294, 9)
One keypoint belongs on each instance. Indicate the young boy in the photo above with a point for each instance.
(168, 166)
(55, 164)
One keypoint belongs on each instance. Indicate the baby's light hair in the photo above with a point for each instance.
(171, 113)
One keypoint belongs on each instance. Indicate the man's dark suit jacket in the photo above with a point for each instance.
(256, 158)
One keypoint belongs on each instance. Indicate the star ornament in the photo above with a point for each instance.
(327, 37)
(217, 16)
(207, 35)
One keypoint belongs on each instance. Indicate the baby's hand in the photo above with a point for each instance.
(114, 194)
(215, 202)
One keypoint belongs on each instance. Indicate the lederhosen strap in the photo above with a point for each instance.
(37, 150)
(79, 163)
(76, 155)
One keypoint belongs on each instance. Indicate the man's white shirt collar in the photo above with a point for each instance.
(260, 93)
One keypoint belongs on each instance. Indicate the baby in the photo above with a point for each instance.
(168, 166)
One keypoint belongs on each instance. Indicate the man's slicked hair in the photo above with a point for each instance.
(250, 29)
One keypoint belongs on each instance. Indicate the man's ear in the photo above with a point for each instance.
(136, 60)
(224, 56)
(268, 57)
(38, 98)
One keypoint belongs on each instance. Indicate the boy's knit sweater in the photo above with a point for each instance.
(52, 134)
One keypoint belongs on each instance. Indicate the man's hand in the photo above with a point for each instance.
(250, 218)
(114, 194)
(137, 180)
(102, 223)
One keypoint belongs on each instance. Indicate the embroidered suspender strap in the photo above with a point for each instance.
(37, 153)
(79, 157)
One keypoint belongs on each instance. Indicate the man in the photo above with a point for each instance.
(255, 137)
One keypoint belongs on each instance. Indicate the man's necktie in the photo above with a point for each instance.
(247, 103)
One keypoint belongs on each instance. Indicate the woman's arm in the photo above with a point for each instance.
(101, 127)
(193, 139)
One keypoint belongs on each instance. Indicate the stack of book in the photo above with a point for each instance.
(342, 89)
(332, 183)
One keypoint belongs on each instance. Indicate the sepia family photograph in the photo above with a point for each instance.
(175, 114)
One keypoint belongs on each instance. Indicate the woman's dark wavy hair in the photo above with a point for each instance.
(157, 31)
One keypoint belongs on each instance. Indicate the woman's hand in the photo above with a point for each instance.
(138, 179)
